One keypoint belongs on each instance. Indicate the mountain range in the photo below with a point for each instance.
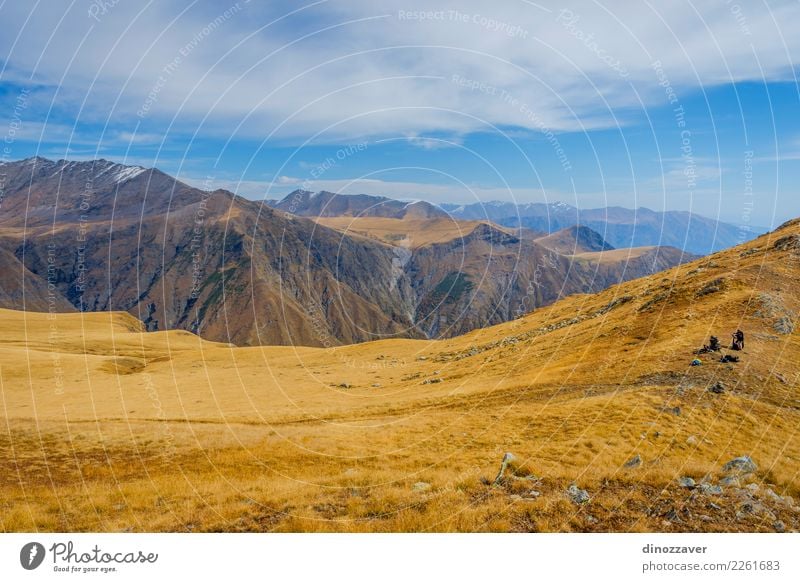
(620, 227)
(317, 269)
(330, 204)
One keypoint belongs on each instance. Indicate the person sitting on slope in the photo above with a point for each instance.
(738, 340)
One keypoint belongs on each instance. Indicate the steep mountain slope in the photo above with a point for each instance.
(178, 257)
(490, 276)
(21, 289)
(609, 426)
(621, 227)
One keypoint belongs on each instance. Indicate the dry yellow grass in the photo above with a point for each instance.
(106, 428)
(615, 255)
(409, 232)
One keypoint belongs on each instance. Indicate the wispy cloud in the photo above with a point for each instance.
(435, 143)
(345, 70)
(288, 180)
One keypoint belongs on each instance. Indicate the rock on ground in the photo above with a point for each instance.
(633, 462)
(577, 495)
(743, 464)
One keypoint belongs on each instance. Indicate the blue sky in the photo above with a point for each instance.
(693, 106)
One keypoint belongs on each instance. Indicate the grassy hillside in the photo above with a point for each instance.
(409, 232)
(108, 428)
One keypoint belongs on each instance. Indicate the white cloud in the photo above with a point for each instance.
(134, 139)
(284, 180)
(357, 68)
(434, 143)
(688, 173)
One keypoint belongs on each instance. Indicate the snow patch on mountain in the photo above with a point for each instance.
(127, 173)
(119, 173)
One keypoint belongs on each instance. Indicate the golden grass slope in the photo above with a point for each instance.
(615, 255)
(411, 232)
(106, 428)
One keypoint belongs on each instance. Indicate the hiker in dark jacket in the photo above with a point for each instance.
(738, 340)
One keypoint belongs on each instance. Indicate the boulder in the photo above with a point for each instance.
(633, 462)
(754, 508)
(743, 464)
(709, 489)
(778, 499)
(577, 495)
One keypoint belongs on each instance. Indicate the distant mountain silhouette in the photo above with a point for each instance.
(325, 204)
(620, 227)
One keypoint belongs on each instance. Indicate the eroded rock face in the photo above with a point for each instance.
(787, 243)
